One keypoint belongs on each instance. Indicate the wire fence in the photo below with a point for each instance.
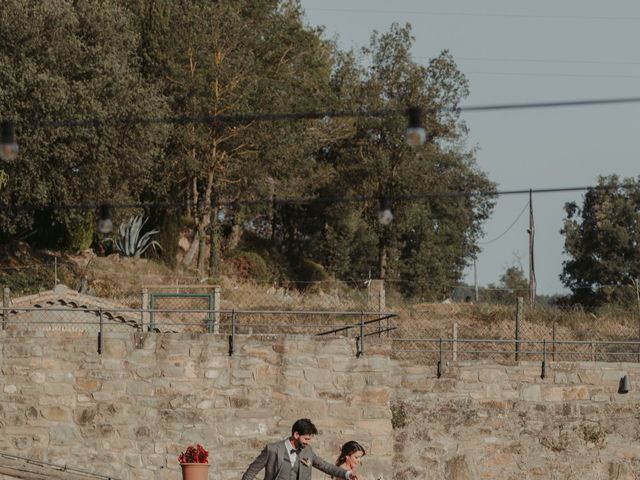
(413, 337)
(420, 331)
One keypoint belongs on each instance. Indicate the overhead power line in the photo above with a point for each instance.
(476, 14)
(508, 228)
(545, 74)
(561, 103)
(306, 200)
(542, 60)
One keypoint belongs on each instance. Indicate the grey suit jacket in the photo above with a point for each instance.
(272, 456)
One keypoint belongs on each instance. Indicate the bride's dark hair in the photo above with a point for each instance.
(349, 448)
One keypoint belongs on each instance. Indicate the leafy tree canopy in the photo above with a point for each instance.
(430, 240)
(602, 241)
(62, 60)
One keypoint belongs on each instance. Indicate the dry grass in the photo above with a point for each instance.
(121, 279)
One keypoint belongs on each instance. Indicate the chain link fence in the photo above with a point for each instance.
(422, 332)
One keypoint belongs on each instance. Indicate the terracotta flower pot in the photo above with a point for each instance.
(195, 471)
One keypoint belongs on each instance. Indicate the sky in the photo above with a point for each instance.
(513, 51)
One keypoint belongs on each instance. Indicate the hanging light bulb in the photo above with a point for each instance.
(8, 144)
(385, 215)
(105, 225)
(416, 134)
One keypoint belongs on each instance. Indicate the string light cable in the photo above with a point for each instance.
(240, 119)
(306, 200)
(415, 136)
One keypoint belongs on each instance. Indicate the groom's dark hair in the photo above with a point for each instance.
(304, 426)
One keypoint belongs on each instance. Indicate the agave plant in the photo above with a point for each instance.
(130, 242)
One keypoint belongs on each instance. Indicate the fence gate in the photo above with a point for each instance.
(188, 312)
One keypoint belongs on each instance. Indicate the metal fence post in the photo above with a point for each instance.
(144, 308)
(216, 307)
(519, 310)
(360, 341)
(210, 315)
(439, 368)
(553, 346)
(454, 345)
(101, 333)
(543, 374)
(6, 301)
(232, 337)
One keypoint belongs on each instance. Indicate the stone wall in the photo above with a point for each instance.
(487, 421)
(129, 412)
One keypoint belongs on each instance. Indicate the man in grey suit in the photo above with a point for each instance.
(292, 458)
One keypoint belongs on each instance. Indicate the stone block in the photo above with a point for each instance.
(139, 388)
(576, 393)
(553, 394)
(87, 385)
(62, 435)
(56, 413)
(460, 468)
(114, 348)
(115, 386)
(493, 391)
(38, 377)
(55, 389)
(531, 393)
(375, 427)
(267, 375)
(346, 381)
(469, 375)
(417, 383)
(492, 375)
(566, 378)
(318, 375)
(496, 404)
(10, 389)
(312, 408)
(374, 364)
(612, 377)
(372, 396)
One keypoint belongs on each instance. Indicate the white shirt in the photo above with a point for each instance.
(292, 455)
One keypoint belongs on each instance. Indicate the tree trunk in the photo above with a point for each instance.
(214, 241)
(382, 257)
(236, 236)
(202, 248)
(204, 219)
(193, 248)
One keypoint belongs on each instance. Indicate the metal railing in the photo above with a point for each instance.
(438, 350)
(19, 463)
(407, 341)
(231, 322)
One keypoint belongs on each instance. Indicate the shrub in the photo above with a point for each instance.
(131, 242)
(250, 265)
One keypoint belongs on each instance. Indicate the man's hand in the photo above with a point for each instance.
(354, 476)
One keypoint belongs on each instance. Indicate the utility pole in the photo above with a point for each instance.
(532, 269)
(475, 280)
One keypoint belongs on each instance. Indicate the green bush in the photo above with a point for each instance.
(79, 236)
(250, 265)
(310, 271)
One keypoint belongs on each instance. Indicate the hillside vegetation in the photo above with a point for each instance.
(121, 279)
